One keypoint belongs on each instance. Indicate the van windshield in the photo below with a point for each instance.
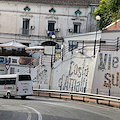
(24, 78)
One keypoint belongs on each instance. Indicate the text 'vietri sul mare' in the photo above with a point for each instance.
(108, 64)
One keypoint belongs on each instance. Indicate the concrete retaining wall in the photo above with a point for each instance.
(84, 73)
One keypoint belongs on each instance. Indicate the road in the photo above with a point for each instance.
(44, 108)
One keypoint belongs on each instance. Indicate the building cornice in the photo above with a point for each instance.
(59, 2)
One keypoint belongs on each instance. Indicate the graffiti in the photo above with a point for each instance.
(43, 77)
(61, 81)
(103, 64)
(76, 80)
(107, 84)
(117, 80)
(110, 79)
(115, 60)
(109, 62)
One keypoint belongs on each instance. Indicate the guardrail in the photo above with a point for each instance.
(72, 95)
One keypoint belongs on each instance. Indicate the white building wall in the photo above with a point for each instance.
(21, 69)
(107, 75)
(74, 74)
(110, 35)
(42, 77)
(12, 14)
(3, 69)
(88, 73)
(84, 37)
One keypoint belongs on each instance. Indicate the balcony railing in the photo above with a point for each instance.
(25, 31)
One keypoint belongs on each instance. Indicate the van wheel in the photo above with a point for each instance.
(4, 96)
(8, 96)
(23, 97)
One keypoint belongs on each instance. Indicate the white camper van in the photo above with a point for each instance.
(12, 85)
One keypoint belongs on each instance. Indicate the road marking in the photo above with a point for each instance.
(39, 115)
(29, 116)
(5, 105)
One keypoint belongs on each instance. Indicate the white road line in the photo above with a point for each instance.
(29, 116)
(39, 115)
(5, 105)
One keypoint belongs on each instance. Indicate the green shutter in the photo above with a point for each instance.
(52, 10)
(26, 8)
(78, 12)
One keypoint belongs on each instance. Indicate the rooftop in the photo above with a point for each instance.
(60, 2)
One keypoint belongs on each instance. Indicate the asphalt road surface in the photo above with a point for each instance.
(44, 108)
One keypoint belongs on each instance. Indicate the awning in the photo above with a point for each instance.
(13, 44)
(35, 48)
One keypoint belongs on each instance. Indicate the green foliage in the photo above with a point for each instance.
(114, 6)
(109, 11)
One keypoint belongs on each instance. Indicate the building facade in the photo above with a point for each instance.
(32, 22)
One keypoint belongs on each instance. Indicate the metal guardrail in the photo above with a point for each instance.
(72, 94)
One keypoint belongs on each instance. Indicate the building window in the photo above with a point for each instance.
(72, 45)
(77, 27)
(12, 70)
(25, 29)
(92, 9)
(51, 25)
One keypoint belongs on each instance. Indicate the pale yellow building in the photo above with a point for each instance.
(33, 21)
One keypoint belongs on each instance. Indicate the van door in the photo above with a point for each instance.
(24, 85)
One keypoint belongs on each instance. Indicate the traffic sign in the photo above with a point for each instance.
(1, 59)
(7, 62)
(7, 67)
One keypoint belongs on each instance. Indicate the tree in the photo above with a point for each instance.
(114, 6)
(109, 11)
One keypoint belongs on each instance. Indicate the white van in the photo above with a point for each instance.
(12, 85)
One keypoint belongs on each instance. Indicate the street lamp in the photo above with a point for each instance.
(53, 37)
(97, 19)
(52, 44)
